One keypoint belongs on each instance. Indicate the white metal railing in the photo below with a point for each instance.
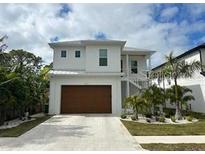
(138, 80)
(140, 73)
(142, 82)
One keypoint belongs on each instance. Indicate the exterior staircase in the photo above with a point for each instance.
(140, 81)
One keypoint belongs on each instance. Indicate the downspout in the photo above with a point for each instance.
(202, 71)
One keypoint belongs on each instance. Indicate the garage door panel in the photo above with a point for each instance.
(86, 99)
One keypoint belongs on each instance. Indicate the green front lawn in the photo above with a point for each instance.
(174, 147)
(141, 129)
(22, 128)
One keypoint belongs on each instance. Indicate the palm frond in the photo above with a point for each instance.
(188, 98)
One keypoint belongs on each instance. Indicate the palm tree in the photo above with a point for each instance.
(179, 69)
(136, 102)
(184, 95)
(3, 46)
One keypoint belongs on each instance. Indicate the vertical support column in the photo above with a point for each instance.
(149, 63)
(149, 69)
(128, 73)
(128, 88)
(127, 65)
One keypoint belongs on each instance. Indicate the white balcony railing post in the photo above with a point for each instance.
(127, 72)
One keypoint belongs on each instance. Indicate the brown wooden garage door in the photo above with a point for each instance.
(86, 99)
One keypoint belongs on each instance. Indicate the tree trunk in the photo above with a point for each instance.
(178, 115)
(164, 93)
(136, 114)
(153, 109)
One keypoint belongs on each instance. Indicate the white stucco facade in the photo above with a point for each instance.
(86, 70)
(92, 58)
(58, 81)
(69, 62)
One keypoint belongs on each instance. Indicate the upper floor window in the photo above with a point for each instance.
(63, 53)
(134, 67)
(103, 57)
(77, 54)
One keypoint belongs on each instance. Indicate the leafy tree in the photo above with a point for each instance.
(27, 66)
(24, 62)
(42, 86)
(23, 82)
(4, 63)
(6, 97)
(179, 69)
(21, 92)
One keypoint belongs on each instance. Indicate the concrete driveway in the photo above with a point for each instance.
(75, 132)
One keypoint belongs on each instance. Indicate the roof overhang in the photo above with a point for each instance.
(67, 43)
(83, 73)
(191, 51)
(83, 43)
(136, 51)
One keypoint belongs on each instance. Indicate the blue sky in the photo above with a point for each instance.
(183, 13)
(159, 27)
(64, 10)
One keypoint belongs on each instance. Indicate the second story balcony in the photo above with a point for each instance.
(136, 64)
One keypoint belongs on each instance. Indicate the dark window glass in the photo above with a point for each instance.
(103, 62)
(63, 53)
(121, 66)
(134, 67)
(77, 54)
(103, 57)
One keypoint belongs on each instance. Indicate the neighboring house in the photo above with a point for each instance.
(94, 76)
(196, 83)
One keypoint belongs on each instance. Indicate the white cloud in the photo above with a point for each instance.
(196, 9)
(30, 26)
(169, 13)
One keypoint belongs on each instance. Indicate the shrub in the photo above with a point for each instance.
(162, 118)
(123, 116)
(148, 120)
(148, 115)
(195, 114)
(156, 111)
(134, 118)
(157, 118)
(169, 112)
(173, 118)
(189, 118)
(167, 115)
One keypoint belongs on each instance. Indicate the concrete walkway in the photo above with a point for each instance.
(75, 132)
(170, 139)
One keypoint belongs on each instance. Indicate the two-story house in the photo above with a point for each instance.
(94, 76)
(196, 83)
